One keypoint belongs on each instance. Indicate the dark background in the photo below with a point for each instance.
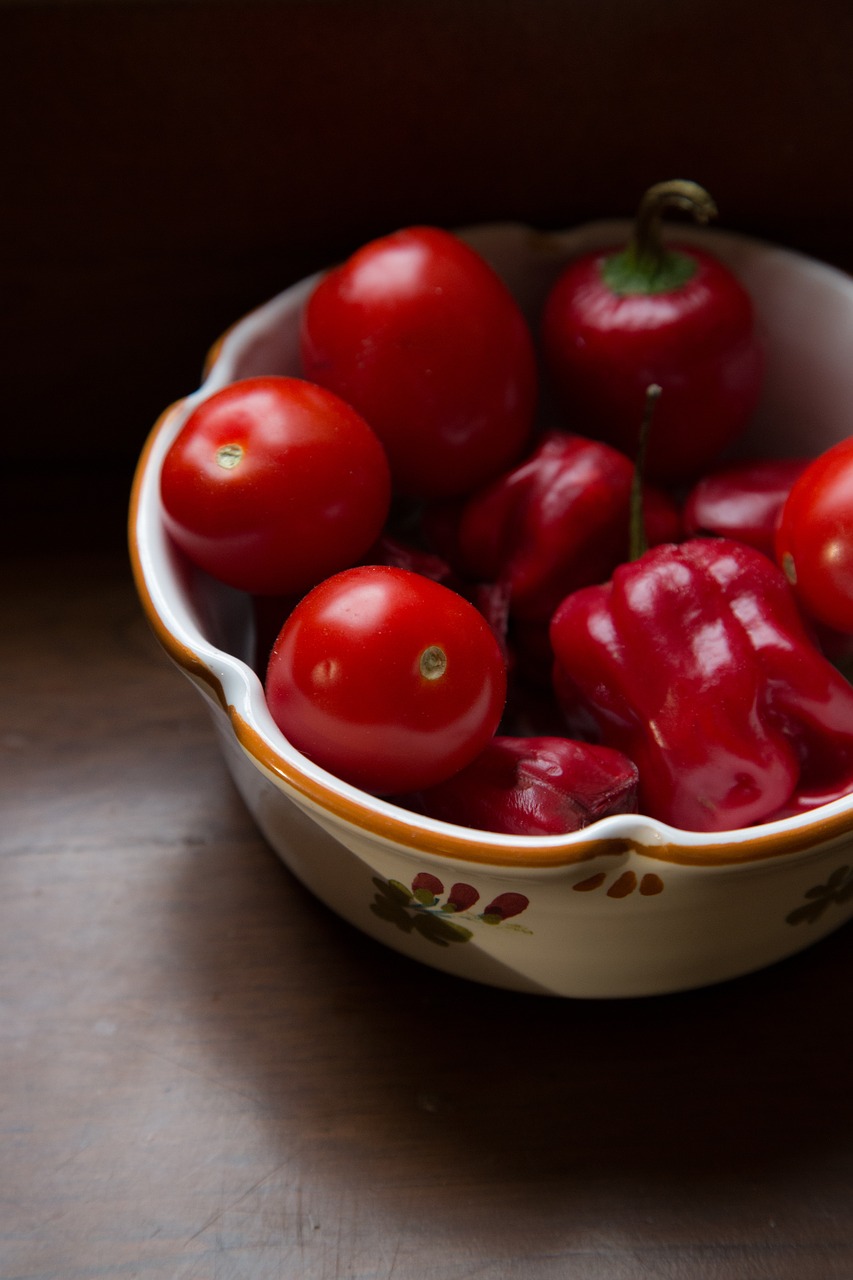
(167, 166)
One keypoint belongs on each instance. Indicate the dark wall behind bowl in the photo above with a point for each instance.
(168, 166)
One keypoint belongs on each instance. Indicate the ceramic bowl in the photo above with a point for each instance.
(627, 907)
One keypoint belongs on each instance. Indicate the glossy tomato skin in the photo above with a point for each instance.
(356, 683)
(423, 338)
(698, 342)
(273, 484)
(814, 540)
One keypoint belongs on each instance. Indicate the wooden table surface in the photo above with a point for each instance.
(206, 1076)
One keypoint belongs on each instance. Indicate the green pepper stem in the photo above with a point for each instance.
(646, 244)
(637, 541)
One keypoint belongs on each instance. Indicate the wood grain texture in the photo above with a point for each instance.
(204, 1075)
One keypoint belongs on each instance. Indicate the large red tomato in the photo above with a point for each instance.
(272, 484)
(388, 679)
(423, 338)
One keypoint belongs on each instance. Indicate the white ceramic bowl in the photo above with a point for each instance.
(628, 906)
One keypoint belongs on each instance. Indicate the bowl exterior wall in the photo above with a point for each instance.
(610, 927)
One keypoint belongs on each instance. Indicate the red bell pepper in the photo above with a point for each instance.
(695, 662)
(532, 787)
(743, 501)
(619, 319)
(558, 521)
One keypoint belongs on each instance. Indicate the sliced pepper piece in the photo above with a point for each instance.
(695, 662)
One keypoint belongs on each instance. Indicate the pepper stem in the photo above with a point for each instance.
(645, 265)
(646, 243)
(637, 541)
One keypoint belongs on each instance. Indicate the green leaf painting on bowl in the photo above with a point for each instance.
(425, 908)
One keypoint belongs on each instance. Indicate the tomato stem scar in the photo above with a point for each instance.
(433, 662)
(229, 456)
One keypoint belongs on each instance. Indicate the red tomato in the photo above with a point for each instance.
(814, 541)
(387, 679)
(422, 337)
(273, 484)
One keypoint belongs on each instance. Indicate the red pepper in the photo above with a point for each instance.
(743, 501)
(694, 661)
(558, 521)
(617, 320)
(533, 786)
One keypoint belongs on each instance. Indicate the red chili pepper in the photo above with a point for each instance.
(694, 661)
(617, 320)
(557, 522)
(533, 786)
(743, 501)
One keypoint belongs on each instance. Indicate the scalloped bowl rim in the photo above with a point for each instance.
(236, 687)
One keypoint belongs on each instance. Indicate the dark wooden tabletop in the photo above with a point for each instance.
(206, 1075)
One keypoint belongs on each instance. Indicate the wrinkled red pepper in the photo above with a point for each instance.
(532, 787)
(556, 522)
(694, 661)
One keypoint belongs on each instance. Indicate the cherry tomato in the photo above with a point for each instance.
(423, 338)
(814, 541)
(389, 680)
(272, 484)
